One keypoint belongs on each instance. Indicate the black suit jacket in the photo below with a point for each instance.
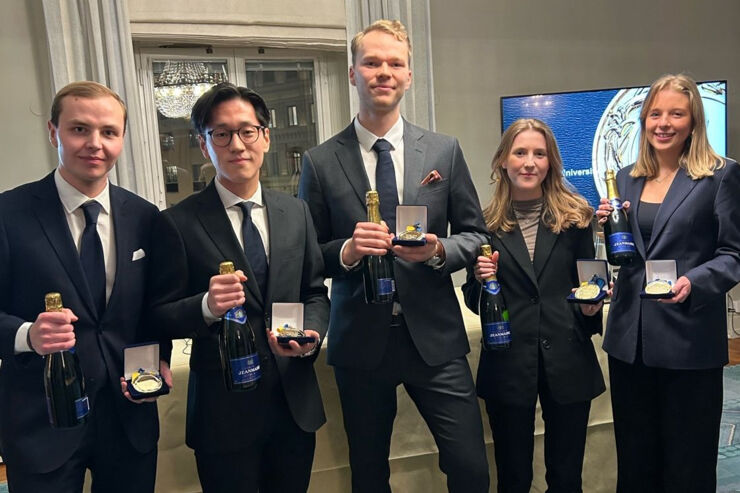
(697, 225)
(193, 238)
(37, 256)
(541, 320)
(334, 183)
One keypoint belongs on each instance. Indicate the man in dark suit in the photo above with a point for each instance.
(419, 340)
(263, 439)
(48, 229)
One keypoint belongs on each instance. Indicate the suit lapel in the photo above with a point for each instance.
(632, 192)
(276, 220)
(350, 160)
(414, 155)
(214, 221)
(513, 241)
(544, 243)
(680, 188)
(122, 227)
(50, 214)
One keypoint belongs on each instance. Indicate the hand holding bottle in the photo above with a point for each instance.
(53, 332)
(368, 238)
(225, 291)
(486, 266)
(606, 208)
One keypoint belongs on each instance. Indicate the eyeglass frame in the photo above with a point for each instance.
(237, 131)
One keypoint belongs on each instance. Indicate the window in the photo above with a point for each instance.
(303, 107)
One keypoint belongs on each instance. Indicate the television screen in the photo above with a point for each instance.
(600, 129)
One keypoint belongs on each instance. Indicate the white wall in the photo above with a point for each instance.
(25, 94)
(485, 49)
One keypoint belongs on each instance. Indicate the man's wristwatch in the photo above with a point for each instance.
(435, 260)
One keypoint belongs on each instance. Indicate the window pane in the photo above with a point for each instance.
(288, 90)
(177, 85)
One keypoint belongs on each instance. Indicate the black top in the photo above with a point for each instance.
(646, 218)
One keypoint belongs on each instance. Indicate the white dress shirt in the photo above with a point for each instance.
(72, 200)
(235, 215)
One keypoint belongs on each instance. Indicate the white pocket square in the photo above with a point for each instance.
(138, 254)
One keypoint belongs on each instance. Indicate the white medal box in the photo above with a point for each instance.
(290, 315)
(143, 359)
(656, 273)
(587, 269)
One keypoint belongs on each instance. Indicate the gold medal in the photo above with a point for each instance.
(587, 291)
(413, 232)
(658, 286)
(146, 382)
(289, 331)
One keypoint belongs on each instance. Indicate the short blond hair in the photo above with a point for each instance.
(84, 89)
(697, 158)
(393, 27)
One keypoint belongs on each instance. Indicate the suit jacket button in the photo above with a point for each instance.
(546, 343)
(534, 300)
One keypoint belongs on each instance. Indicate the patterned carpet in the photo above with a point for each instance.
(728, 463)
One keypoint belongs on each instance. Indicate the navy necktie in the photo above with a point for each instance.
(385, 183)
(91, 255)
(254, 249)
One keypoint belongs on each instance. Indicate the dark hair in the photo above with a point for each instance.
(84, 89)
(200, 116)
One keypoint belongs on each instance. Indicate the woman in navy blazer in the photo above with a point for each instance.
(539, 228)
(666, 356)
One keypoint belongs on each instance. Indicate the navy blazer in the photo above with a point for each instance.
(334, 183)
(37, 256)
(193, 238)
(698, 226)
(542, 321)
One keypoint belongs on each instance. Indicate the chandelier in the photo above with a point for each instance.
(180, 85)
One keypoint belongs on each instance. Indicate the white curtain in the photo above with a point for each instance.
(91, 40)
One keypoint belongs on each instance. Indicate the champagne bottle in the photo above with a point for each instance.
(240, 361)
(377, 270)
(620, 245)
(66, 398)
(494, 317)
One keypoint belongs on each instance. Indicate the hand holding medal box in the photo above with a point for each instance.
(141, 371)
(593, 276)
(660, 276)
(411, 223)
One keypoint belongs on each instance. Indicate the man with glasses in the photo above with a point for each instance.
(261, 439)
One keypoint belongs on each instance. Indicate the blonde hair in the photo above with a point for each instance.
(393, 27)
(84, 89)
(561, 208)
(697, 157)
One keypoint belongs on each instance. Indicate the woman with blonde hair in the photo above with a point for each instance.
(539, 227)
(666, 356)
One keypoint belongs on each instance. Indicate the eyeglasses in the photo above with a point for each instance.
(248, 134)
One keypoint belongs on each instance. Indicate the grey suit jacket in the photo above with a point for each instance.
(193, 238)
(334, 183)
(697, 225)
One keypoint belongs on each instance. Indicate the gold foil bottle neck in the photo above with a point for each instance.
(486, 250)
(226, 267)
(53, 302)
(611, 185)
(372, 200)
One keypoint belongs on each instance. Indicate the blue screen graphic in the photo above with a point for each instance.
(597, 130)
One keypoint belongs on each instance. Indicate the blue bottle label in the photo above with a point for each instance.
(237, 314)
(616, 204)
(496, 333)
(246, 369)
(492, 286)
(82, 407)
(386, 285)
(621, 242)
